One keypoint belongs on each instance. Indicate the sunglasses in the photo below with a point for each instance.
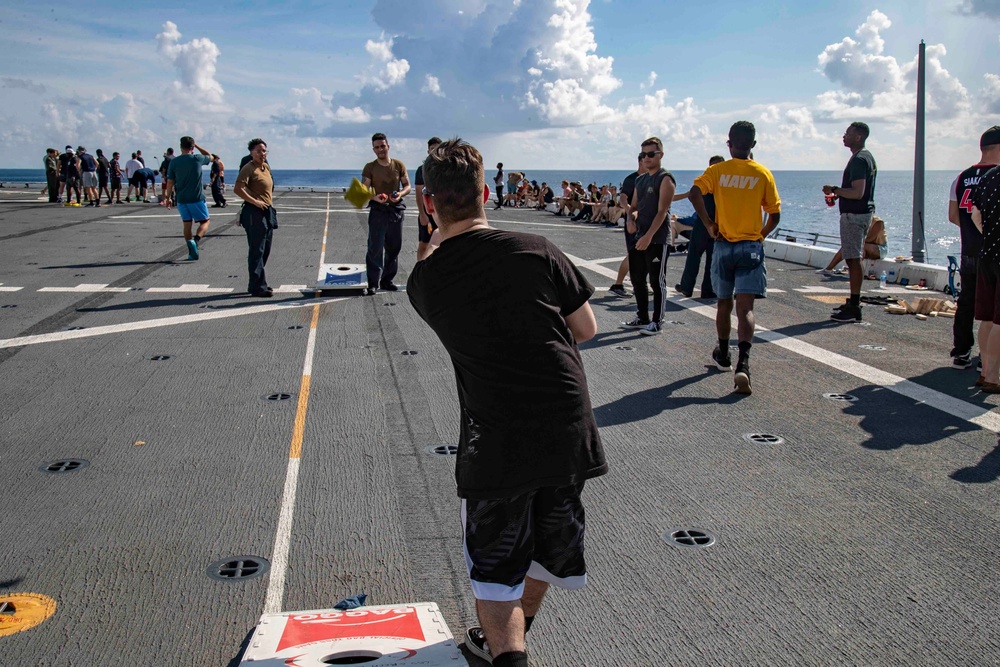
(649, 154)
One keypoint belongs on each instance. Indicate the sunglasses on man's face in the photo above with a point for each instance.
(649, 154)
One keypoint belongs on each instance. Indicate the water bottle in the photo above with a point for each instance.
(881, 280)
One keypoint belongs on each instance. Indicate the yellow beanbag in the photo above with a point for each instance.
(358, 194)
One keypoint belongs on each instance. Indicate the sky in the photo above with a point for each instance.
(539, 84)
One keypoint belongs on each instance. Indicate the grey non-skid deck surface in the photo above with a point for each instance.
(868, 536)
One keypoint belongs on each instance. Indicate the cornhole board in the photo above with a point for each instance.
(403, 635)
(336, 277)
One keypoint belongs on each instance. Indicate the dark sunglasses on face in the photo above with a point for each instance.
(649, 154)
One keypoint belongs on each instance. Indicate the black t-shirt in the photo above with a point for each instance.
(628, 186)
(103, 166)
(418, 179)
(647, 189)
(986, 197)
(860, 166)
(497, 300)
(68, 161)
(965, 185)
(165, 165)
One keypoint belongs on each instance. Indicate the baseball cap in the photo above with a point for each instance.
(991, 137)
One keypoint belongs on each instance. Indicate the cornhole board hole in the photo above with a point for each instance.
(403, 635)
(339, 277)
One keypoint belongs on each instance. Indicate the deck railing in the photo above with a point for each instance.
(807, 238)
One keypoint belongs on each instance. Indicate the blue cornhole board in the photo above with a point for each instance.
(341, 276)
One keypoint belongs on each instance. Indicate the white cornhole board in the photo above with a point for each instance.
(403, 635)
(342, 277)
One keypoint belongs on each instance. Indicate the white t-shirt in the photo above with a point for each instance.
(131, 167)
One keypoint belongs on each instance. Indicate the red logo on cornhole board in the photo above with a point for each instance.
(401, 622)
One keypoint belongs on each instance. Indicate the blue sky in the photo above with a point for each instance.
(545, 84)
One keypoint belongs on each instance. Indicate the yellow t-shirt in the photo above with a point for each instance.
(741, 188)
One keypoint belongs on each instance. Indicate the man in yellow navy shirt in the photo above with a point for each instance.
(741, 188)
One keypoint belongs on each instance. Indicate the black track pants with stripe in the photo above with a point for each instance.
(649, 267)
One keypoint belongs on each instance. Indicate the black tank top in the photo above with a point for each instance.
(647, 188)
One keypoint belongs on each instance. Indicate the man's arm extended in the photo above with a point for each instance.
(698, 201)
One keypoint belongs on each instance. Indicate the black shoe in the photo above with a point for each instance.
(682, 290)
(722, 360)
(847, 313)
(369, 291)
(962, 361)
(709, 295)
(262, 294)
(839, 308)
(742, 377)
(388, 287)
(475, 641)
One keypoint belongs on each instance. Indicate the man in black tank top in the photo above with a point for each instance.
(963, 190)
(654, 192)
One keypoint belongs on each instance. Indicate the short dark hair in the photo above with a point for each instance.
(454, 174)
(115, 153)
(653, 141)
(742, 135)
(256, 142)
(991, 137)
(433, 141)
(377, 136)
(715, 159)
(187, 143)
(499, 165)
(133, 156)
(862, 129)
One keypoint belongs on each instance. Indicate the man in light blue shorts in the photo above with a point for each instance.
(742, 189)
(184, 181)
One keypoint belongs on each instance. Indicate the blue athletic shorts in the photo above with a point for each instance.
(196, 211)
(738, 268)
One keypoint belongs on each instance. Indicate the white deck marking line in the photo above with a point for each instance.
(982, 417)
(60, 336)
(86, 287)
(283, 533)
(10, 289)
(189, 288)
(322, 249)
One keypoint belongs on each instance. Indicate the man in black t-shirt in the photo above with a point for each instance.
(985, 200)
(425, 222)
(103, 174)
(654, 192)
(625, 203)
(960, 213)
(856, 194)
(510, 309)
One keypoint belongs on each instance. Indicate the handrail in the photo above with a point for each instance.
(809, 238)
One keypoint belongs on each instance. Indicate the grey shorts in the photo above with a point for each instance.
(90, 179)
(853, 230)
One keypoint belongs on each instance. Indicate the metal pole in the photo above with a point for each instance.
(918, 241)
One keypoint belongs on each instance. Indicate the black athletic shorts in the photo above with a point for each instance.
(538, 534)
(423, 234)
(988, 292)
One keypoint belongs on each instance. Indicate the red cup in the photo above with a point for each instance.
(831, 199)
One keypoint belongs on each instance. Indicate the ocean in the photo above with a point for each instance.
(803, 209)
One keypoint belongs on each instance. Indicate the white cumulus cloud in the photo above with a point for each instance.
(195, 64)
(432, 85)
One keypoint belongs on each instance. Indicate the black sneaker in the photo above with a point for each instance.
(475, 641)
(742, 377)
(635, 323)
(683, 291)
(618, 290)
(962, 361)
(847, 313)
(388, 287)
(369, 291)
(722, 360)
(842, 306)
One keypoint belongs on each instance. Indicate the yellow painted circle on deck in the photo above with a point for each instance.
(21, 611)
